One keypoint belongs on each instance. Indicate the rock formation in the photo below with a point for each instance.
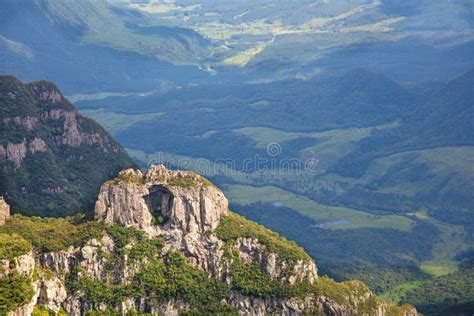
(190, 203)
(260, 272)
(4, 211)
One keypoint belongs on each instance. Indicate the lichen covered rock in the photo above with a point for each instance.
(182, 200)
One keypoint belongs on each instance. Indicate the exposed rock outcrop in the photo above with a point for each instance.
(4, 211)
(25, 266)
(30, 123)
(37, 145)
(16, 152)
(72, 136)
(184, 212)
(40, 127)
(189, 202)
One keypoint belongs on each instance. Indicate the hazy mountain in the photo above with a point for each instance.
(47, 39)
(123, 46)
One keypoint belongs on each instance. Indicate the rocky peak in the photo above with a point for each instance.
(215, 261)
(40, 127)
(46, 91)
(161, 199)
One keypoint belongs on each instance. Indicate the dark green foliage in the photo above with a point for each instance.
(251, 280)
(164, 279)
(96, 292)
(123, 236)
(145, 248)
(155, 203)
(52, 234)
(41, 310)
(445, 293)
(142, 247)
(15, 290)
(176, 278)
(353, 254)
(233, 226)
(12, 246)
(62, 179)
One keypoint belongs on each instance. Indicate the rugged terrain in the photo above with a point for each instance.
(165, 242)
(209, 84)
(376, 176)
(52, 159)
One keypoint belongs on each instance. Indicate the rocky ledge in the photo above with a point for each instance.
(164, 242)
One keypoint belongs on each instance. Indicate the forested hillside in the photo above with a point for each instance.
(381, 165)
(53, 160)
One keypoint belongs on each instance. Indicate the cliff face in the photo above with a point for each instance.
(166, 243)
(52, 160)
(4, 211)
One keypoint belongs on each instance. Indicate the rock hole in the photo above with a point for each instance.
(160, 202)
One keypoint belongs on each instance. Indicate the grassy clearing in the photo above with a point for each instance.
(451, 242)
(166, 7)
(246, 195)
(453, 164)
(244, 57)
(264, 135)
(224, 31)
(439, 269)
(332, 145)
(96, 96)
(116, 122)
(395, 295)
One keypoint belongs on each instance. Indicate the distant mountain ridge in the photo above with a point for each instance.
(125, 46)
(53, 160)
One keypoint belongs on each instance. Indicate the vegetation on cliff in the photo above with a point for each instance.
(233, 226)
(13, 245)
(161, 277)
(15, 290)
(53, 160)
(52, 234)
(165, 276)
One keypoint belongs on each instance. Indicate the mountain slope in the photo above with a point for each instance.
(53, 160)
(390, 197)
(165, 243)
(45, 40)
